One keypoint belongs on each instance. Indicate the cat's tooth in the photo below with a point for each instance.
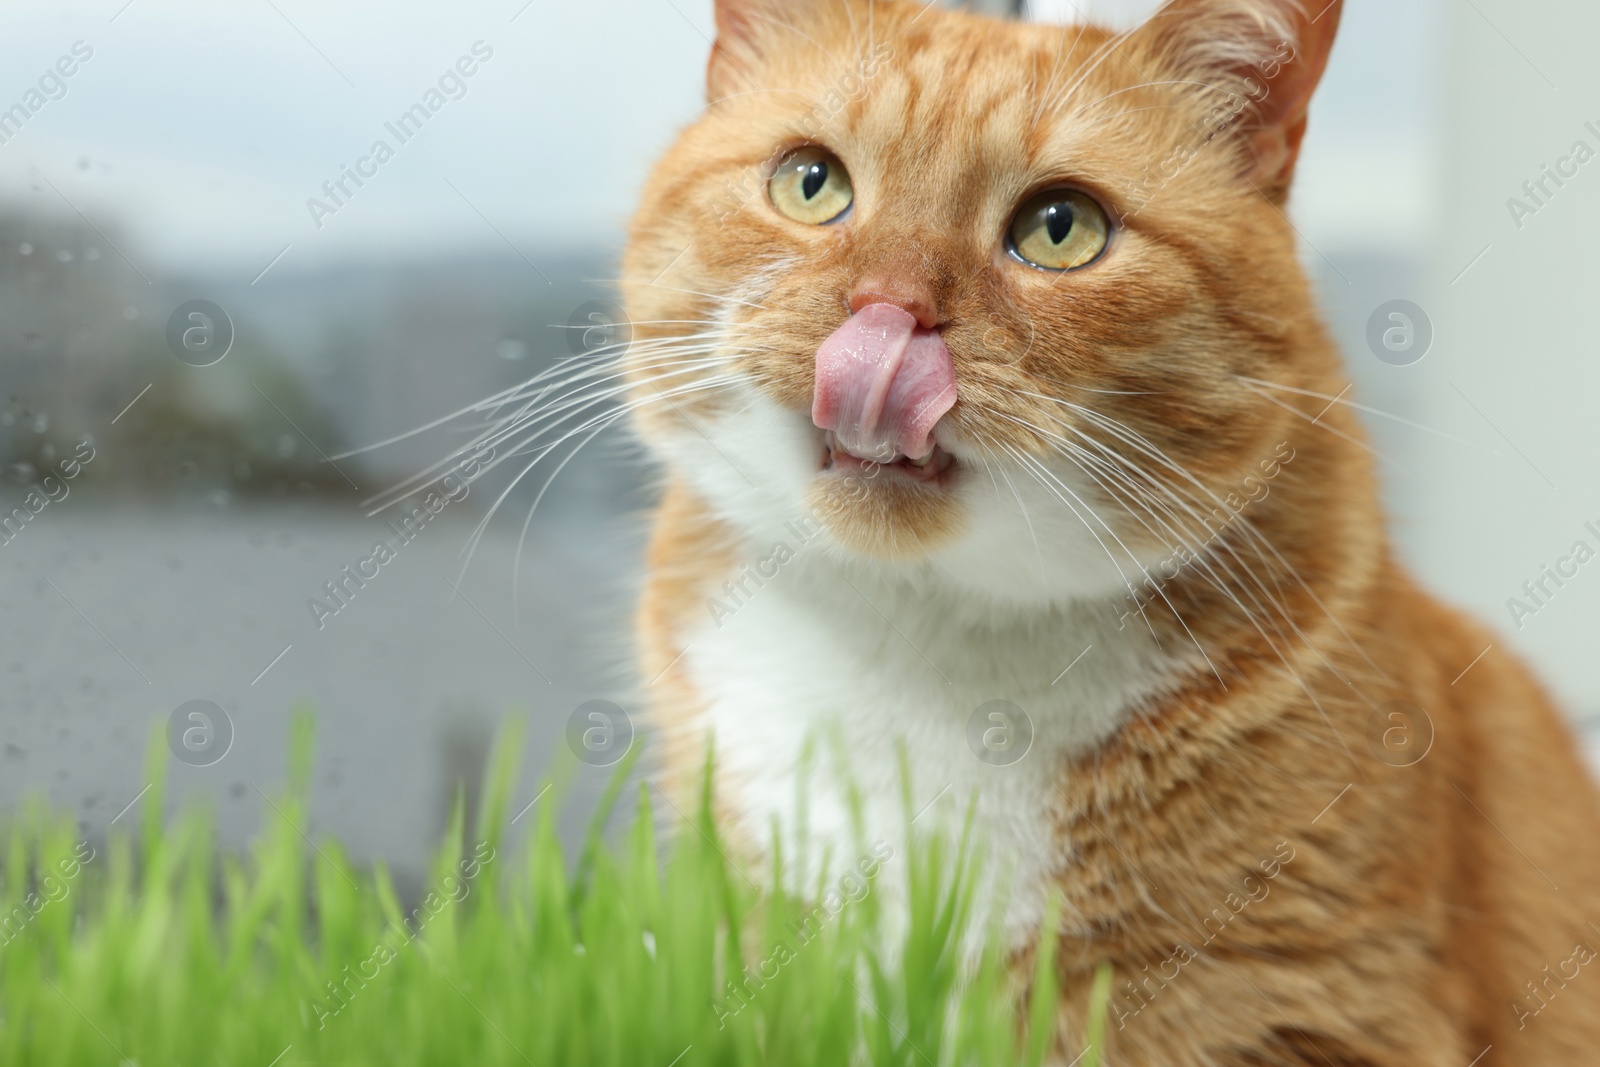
(923, 462)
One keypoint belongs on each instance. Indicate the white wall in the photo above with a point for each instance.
(1519, 335)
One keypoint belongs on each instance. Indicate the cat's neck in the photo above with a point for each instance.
(1276, 564)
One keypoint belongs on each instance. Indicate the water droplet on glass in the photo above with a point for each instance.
(511, 349)
(25, 248)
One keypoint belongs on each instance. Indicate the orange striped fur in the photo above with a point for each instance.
(1228, 827)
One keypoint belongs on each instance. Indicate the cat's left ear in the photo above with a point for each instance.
(1270, 54)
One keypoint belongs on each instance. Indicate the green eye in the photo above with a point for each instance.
(811, 186)
(1059, 229)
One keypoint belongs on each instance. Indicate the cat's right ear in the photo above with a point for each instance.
(741, 35)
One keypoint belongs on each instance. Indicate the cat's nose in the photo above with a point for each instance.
(905, 290)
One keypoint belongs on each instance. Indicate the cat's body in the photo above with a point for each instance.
(1137, 526)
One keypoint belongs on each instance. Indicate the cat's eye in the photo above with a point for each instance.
(1060, 229)
(811, 186)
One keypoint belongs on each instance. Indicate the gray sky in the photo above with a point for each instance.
(204, 128)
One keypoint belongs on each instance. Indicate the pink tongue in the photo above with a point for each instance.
(882, 383)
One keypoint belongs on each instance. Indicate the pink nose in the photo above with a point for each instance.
(882, 384)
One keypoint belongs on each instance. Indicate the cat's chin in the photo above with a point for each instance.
(899, 510)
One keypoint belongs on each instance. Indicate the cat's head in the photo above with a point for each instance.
(1028, 267)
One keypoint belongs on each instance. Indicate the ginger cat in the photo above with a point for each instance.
(987, 385)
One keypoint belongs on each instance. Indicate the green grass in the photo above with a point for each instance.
(155, 950)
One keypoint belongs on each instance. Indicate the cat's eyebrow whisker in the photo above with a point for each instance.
(1113, 45)
(1352, 404)
(855, 34)
(1055, 68)
(754, 92)
(797, 31)
(1151, 85)
(1136, 110)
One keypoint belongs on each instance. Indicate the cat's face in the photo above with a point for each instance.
(1024, 265)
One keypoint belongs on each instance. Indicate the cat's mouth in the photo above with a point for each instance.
(883, 382)
(933, 468)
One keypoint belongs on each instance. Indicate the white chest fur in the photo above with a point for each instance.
(835, 660)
